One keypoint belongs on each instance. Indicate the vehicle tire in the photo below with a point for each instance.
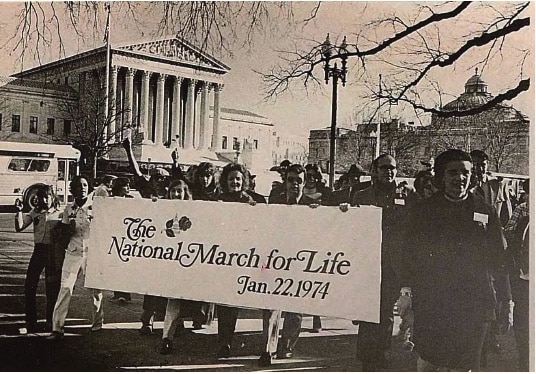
(30, 196)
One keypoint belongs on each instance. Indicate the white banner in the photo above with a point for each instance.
(293, 258)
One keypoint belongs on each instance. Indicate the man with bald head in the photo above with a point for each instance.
(373, 340)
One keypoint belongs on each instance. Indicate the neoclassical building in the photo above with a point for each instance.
(167, 92)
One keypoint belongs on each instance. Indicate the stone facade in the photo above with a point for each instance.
(166, 92)
(502, 132)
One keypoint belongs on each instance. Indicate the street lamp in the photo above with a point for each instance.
(335, 73)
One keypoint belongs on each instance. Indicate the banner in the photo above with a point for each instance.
(293, 258)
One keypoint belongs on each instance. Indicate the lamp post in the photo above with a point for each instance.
(335, 73)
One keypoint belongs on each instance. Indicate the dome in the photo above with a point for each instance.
(475, 84)
(475, 80)
(467, 101)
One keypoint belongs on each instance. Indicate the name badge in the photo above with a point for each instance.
(480, 217)
(400, 202)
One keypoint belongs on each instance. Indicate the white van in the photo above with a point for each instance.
(26, 166)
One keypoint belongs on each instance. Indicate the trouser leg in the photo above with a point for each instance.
(171, 319)
(35, 267)
(69, 274)
(199, 313)
(291, 330)
(97, 313)
(227, 317)
(477, 336)
(151, 306)
(520, 296)
(147, 317)
(53, 278)
(372, 342)
(317, 323)
(271, 322)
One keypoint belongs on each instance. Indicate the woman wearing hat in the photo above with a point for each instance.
(454, 243)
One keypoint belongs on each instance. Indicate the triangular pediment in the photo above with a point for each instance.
(175, 49)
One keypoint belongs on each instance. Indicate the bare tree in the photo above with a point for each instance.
(215, 26)
(91, 130)
(504, 137)
(411, 50)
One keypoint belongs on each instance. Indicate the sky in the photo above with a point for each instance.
(295, 111)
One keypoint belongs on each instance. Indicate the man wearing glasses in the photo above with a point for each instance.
(373, 340)
(292, 194)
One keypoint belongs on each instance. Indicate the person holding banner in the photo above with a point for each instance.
(373, 340)
(204, 187)
(234, 183)
(76, 220)
(121, 188)
(292, 194)
(454, 243)
(178, 190)
(154, 188)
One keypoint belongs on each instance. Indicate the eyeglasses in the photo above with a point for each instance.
(387, 167)
(295, 180)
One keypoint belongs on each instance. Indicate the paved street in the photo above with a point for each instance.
(120, 347)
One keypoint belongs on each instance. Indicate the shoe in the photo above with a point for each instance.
(224, 351)
(167, 346)
(285, 354)
(96, 328)
(55, 336)
(265, 359)
(146, 330)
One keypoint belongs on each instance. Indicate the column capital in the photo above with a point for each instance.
(218, 87)
(205, 86)
(162, 77)
(146, 74)
(131, 71)
(192, 82)
(114, 69)
(178, 80)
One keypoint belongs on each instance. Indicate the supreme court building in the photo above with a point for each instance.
(166, 92)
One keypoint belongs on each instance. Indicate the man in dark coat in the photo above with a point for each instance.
(373, 340)
(453, 245)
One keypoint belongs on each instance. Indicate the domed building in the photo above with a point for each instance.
(502, 131)
(476, 94)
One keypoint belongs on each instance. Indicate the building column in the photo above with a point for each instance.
(129, 96)
(145, 104)
(159, 125)
(216, 141)
(190, 107)
(112, 102)
(176, 116)
(204, 117)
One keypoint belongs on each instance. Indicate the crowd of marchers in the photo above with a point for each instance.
(454, 255)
